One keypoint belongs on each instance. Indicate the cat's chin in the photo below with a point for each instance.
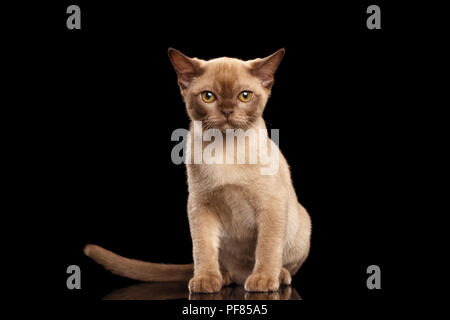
(226, 125)
(232, 125)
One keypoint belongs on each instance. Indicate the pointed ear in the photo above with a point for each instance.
(265, 68)
(185, 67)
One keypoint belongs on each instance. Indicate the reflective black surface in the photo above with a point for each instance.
(179, 290)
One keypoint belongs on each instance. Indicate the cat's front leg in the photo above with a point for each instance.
(205, 230)
(269, 249)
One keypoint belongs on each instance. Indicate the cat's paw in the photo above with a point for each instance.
(205, 284)
(262, 282)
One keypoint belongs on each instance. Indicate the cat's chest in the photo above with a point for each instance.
(225, 166)
(219, 175)
(236, 213)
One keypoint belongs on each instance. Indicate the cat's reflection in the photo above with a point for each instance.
(178, 290)
(239, 293)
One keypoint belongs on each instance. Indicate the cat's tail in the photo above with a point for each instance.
(136, 269)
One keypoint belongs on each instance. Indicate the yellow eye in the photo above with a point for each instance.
(208, 96)
(245, 96)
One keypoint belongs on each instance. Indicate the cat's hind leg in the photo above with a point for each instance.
(285, 277)
(226, 278)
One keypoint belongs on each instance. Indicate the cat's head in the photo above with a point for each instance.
(225, 93)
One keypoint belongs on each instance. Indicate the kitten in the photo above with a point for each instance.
(246, 227)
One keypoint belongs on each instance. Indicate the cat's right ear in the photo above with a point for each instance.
(185, 67)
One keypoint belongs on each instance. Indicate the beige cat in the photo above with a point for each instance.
(246, 227)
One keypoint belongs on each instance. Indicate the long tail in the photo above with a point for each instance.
(136, 269)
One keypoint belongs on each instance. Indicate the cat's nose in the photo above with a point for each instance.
(227, 113)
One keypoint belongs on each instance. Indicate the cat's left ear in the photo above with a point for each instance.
(265, 68)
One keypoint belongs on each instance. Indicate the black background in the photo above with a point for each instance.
(112, 102)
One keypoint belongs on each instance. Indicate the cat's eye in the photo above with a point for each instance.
(245, 96)
(208, 96)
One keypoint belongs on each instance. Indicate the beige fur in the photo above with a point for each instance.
(246, 227)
